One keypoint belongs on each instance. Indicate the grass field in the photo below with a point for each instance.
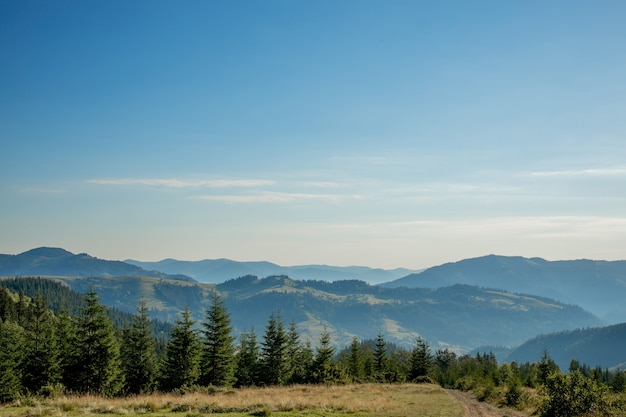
(302, 400)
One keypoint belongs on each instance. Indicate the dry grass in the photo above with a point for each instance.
(302, 400)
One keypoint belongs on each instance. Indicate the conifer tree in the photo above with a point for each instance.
(181, 367)
(11, 357)
(299, 357)
(355, 361)
(7, 306)
(247, 359)
(41, 364)
(138, 355)
(380, 358)
(274, 353)
(420, 360)
(218, 354)
(99, 369)
(67, 345)
(322, 365)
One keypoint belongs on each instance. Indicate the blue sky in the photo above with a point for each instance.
(379, 133)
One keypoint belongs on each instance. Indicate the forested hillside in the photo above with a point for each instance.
(602, 347)
(460, 317)
(47, 354)
(596, 286)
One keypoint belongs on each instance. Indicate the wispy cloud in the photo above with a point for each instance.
(182, 183)
(588, 172)
(275, 197)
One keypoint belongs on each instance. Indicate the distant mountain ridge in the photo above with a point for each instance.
(45, 261)
(599, 346)
(597, 286)
(219, 270)
(460, 317)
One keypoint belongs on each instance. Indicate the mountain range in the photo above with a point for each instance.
(220, 270)
(463, 305)
(596, 286)
(599, 346)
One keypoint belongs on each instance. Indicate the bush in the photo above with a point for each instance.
(513, 396)
(574, 395)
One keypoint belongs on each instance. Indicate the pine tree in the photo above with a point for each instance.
(66, 332)
(217, 363)
(299, 357)
(247, 359)
(11, 357)
(380, 358)
(274, 353)
(41, 365)
(420, 360)
(356, 367)
(7, 306)
(138, 355)
(181, 367)
(322, 365)
(99, 369)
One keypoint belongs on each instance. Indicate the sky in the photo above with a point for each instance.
(378, 133)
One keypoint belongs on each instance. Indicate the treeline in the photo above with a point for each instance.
(42, 353)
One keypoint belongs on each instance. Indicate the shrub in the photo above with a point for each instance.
(574, 395)
(513, 396)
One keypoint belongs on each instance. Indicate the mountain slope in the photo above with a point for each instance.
(59, 262)
(220, 270)
(600, 346)
(460, 317)
(597, 286)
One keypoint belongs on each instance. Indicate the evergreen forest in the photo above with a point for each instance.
(63, 343)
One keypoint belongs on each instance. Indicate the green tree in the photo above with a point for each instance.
(7, 306)
(546, 367)
(574, 395)
(380, 358)
(299, 357)
(274, 353)
(138, 355)
(99, 369)
(247, 359)
(66, 332)
(41, 364)
(323, 363)
(217, 363)
(420, 360)
(181, 366)
(356, 363)
(11, 357)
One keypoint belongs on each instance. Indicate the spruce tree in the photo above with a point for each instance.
(66, 332)
(41, 365)
(99, 369)
(274, 353)
(181, 367)
(11, 357)
(420, 360)
(247, 359)
(380, 358)
(138, 355)
(217, 365)
(299, 357)
(356, 367)
(322, 365)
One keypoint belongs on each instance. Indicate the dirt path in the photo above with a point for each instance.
(474, 408)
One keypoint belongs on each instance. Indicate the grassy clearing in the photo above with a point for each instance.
(367, 400)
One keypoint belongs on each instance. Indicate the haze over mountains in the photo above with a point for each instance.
(597, 286)
(59, 262)
(462, 305)
(220, 270)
